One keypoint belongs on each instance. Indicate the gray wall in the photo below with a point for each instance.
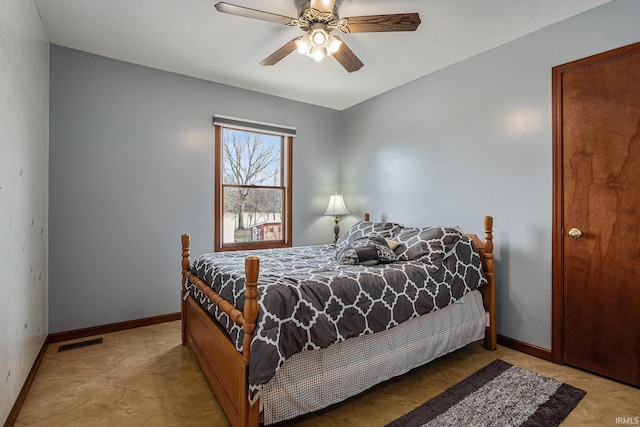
(474, 139)
(131, 169)
(24, 148)
(132, 149)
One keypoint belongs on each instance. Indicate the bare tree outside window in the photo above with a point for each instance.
(252, 186)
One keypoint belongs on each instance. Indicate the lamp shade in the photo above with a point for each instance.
(336, 206)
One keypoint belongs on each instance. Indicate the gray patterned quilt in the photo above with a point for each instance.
(307, 300)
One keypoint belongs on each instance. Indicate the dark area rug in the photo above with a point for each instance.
(500, 395)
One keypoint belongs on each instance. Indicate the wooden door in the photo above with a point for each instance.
(597, 213)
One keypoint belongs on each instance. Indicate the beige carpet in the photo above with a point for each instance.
(145, 377)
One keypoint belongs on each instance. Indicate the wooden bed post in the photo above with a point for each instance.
(228, 376)
(489, 294)
(186, 265)
(250, 311)
(250, 415)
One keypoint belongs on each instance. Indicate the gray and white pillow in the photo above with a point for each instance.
(368, 228)
(431, 244)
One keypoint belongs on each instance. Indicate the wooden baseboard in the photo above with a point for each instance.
(13, 415)
(112, 327)
(526, 348)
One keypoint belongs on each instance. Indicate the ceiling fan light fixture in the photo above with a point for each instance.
(333, 45)
(319, 37)
(303, 44)
(318, 43)
(318, 53)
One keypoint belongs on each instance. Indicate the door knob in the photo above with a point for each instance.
(576, 233)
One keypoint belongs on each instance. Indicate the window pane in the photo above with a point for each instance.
(252, 214)
(251, 158)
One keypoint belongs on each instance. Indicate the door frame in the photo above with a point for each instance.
(557, 237)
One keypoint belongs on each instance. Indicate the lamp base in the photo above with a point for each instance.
(336, 230)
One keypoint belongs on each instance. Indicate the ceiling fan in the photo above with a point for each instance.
(318, 18)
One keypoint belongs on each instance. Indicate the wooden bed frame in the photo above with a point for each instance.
(227, 370)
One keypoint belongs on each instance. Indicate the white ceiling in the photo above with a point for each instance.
(192, 38)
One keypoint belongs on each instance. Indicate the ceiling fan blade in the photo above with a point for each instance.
(375, 23)
(323, 5)
(276, 56)
(347, 58)
(253, 13)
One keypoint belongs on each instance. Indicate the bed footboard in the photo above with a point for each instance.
(224, 367)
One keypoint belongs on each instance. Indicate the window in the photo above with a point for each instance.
(253, 185)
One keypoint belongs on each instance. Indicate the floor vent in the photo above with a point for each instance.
(66, 347)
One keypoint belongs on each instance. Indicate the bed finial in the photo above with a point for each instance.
(366, 216)
(186, 263)
(488, 248)
(488, 233)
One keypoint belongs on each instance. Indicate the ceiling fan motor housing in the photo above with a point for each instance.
(307, 17)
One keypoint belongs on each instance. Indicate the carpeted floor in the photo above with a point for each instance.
(145, 377)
